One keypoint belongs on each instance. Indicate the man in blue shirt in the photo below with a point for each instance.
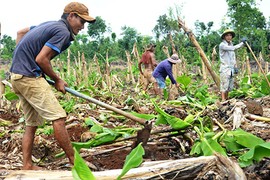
(36, 47)
(164, 69)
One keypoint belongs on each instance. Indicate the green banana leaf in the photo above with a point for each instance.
(174, 122)
(206, 146)
(134, 159)
(246, 139)
(144, 116)
(104, 135)
(231, 144)
(255, 154)
(210, 146)
(80, 171)
(11, 96)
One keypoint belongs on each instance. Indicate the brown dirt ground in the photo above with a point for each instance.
(112, 156)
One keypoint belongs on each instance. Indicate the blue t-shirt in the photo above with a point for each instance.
(54, 34)
(164, 69)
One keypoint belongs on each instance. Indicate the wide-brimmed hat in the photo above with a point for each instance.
(174, 59)
(80, 9)
(227, 31)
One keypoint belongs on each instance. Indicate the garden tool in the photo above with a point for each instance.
(141, 137)
(260, 66)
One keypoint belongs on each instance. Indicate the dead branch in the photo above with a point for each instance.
(256, 117)
(199, 49)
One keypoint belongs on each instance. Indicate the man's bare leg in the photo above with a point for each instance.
(61, 135)
(27, 147)
(156, 88)
(227, 95)
(224, 96)
(145, 86)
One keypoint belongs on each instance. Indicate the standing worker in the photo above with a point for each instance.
(228, 66)
(163, 70)
(31, 61)
(149, 61)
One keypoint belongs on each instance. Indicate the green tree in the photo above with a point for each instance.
(8, 46)
(207, 38)
(96, 30)
(165, 25)
(129, 37)
(248, 21)
(98, 43)
(94, 42)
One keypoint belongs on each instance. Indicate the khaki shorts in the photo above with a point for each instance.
(226, 82)
(37, 100)
(148, 76)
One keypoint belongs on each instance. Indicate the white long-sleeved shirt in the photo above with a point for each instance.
(227, 56)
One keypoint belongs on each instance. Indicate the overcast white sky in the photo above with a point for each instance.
(139, 14)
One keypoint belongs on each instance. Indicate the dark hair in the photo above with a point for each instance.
(64, 15)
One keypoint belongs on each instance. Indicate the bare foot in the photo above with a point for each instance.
(32, 168)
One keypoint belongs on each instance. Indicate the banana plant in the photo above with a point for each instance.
(185, 81)
(174, 122)
(80, 171)
(133, 160)
(103, 135)
(247, 146)
(258, 87)
(207, 144)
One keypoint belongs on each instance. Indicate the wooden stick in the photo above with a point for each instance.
(108, 72)
(266, 67)
(130, 73)
(135, 52)
(102, 104)
(166, 51)
(248, 68)
(260, 66)
(256, 117)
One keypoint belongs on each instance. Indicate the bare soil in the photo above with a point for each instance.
(161, 146)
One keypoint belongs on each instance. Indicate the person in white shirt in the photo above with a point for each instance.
(228, 66)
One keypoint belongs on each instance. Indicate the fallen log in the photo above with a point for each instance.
(204, 167)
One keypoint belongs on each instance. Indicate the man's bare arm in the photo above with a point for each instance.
(140, 67)
(43, 60)
(21, 33)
